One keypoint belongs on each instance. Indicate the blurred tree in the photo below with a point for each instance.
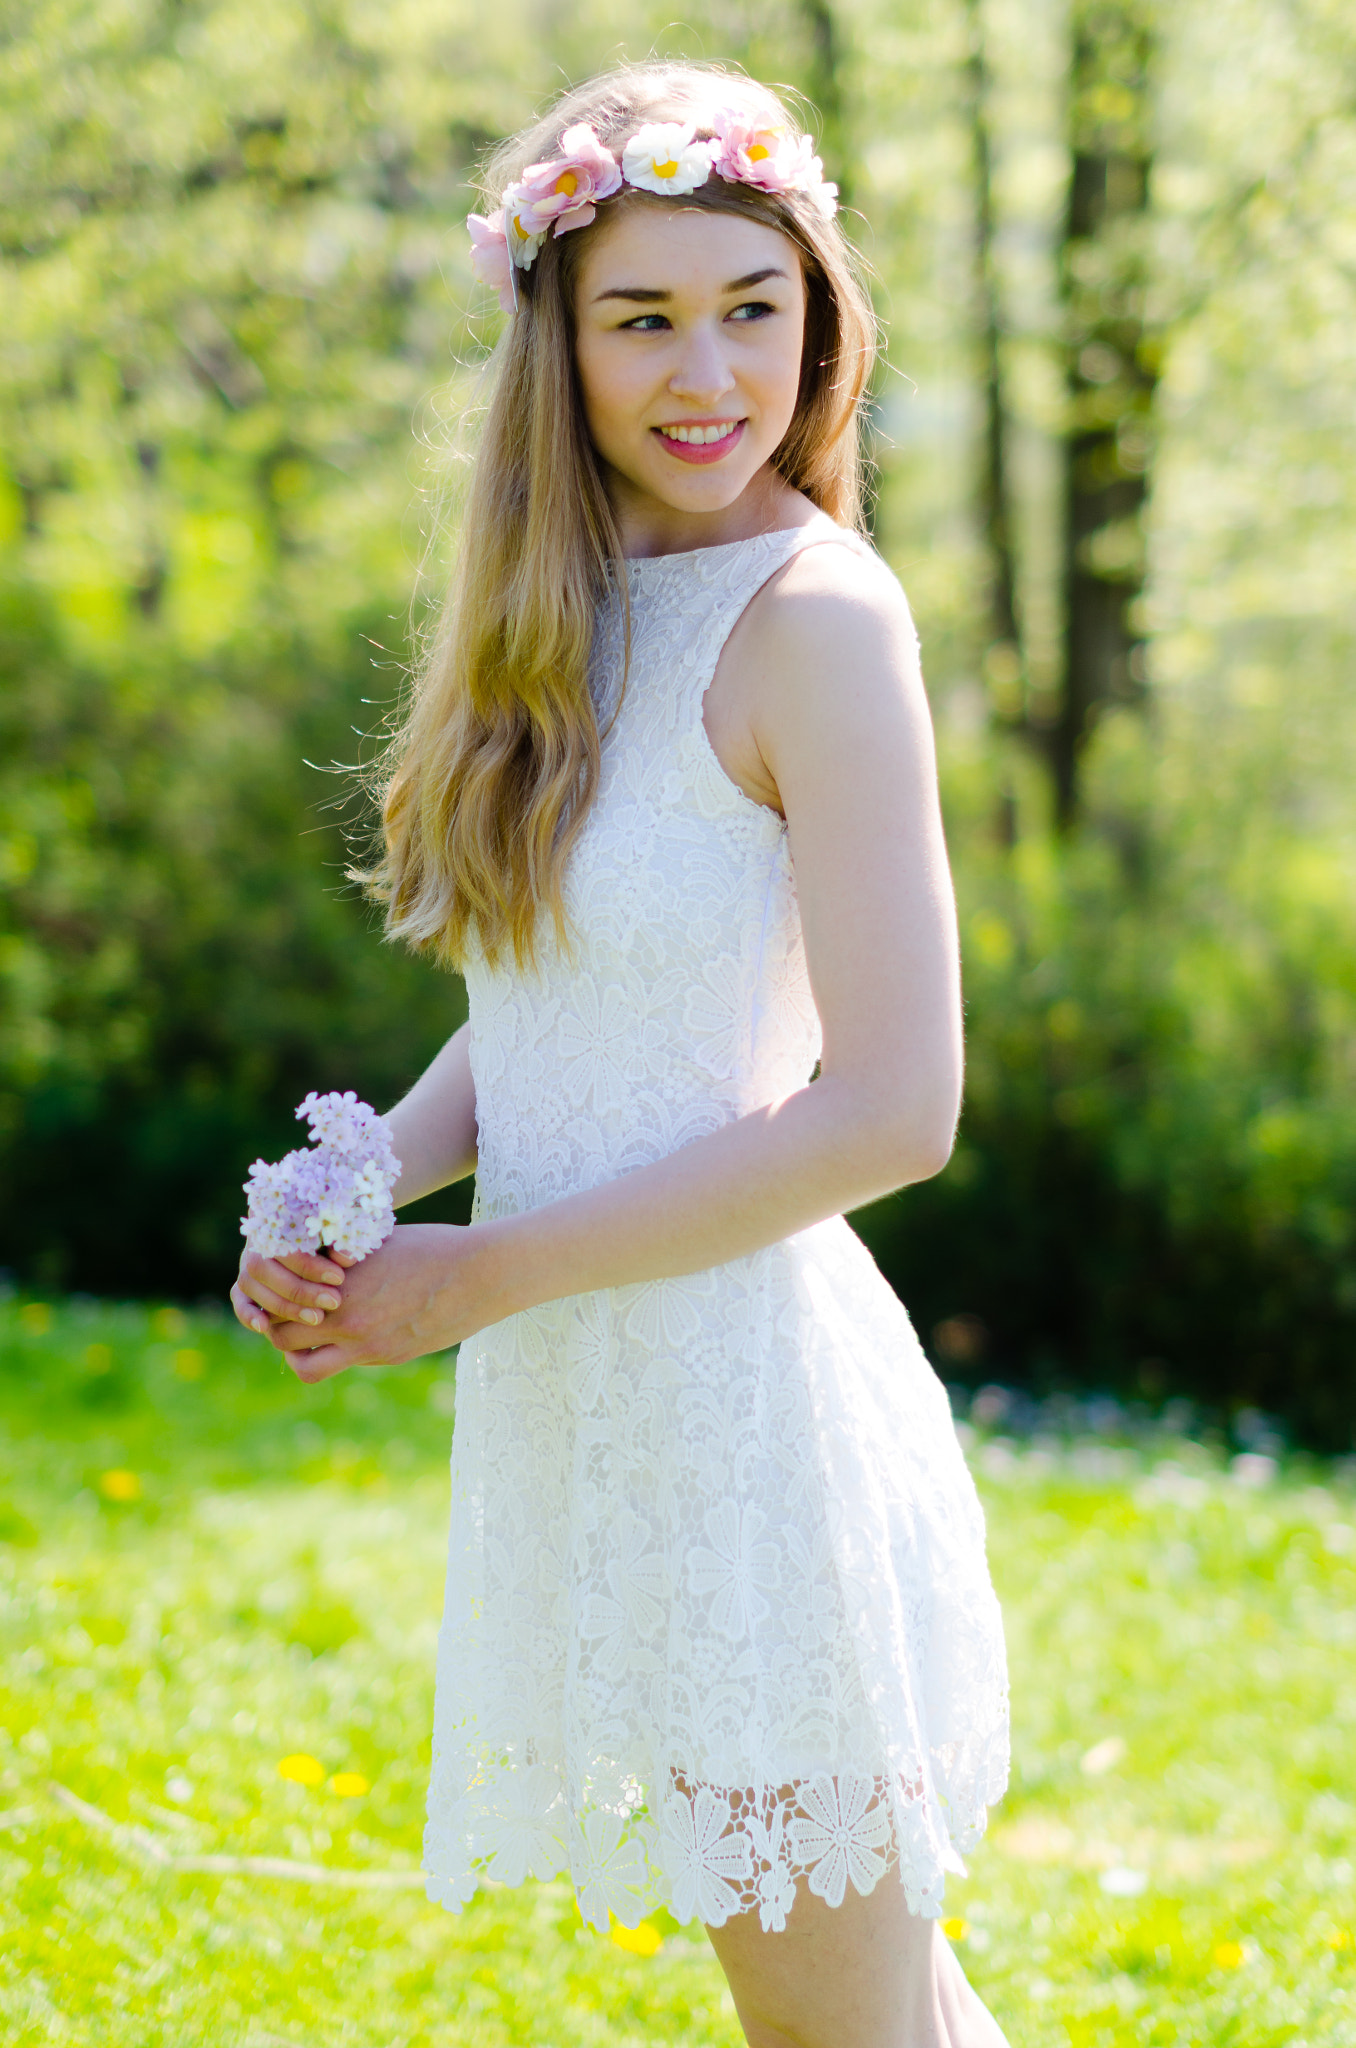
(233, 281)
(1004, 647)
(1111, 374)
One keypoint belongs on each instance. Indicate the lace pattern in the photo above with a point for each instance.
(718, 1613)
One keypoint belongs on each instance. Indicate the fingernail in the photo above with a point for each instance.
(329, 1301)
(310, 1315)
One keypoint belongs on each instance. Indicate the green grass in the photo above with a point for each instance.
(271, 1586)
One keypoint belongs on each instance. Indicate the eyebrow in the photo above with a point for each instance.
(644, 295)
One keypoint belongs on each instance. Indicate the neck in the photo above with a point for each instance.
(649, 527)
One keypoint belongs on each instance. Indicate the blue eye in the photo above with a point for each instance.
(641, 324)
(753, 309)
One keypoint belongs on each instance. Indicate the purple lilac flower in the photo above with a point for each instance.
(337, 1194)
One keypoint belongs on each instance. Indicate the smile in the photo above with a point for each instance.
(701, 441)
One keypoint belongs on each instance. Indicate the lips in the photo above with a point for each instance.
(700, 441)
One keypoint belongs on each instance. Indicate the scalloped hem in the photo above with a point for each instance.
(711, 1853)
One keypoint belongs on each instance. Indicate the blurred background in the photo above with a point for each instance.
(1114, 249)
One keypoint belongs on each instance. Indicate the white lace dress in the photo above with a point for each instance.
(718, 1612)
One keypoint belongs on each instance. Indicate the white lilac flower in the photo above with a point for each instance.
(337, 1193)
(664, 156)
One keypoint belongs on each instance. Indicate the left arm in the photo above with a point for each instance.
(839, 716)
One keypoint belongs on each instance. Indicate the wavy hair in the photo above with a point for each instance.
(490, 777)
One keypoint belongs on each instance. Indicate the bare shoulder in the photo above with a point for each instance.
(832, 636)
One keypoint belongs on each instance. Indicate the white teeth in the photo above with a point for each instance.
(700, 435)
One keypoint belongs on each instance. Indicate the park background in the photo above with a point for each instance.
(1113, 244)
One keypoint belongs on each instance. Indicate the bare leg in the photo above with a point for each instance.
(866, 1974)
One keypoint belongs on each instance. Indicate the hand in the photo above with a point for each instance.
(425, 1289)
(299, 1288)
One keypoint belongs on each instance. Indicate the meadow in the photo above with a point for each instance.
(220, 1594)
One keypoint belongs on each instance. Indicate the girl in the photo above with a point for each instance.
(719, 1631)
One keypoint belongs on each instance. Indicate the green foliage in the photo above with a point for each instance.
(1156, 1179)
(240, 342)
(213, 1569)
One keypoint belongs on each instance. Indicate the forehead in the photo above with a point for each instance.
(681, 249)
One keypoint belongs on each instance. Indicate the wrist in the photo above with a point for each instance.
(495, 1272)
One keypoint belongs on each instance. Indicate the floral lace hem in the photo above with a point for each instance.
(711, 1852)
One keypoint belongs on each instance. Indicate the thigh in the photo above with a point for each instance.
(866, 1974)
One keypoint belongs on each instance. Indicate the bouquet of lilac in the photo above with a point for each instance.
(337, 1194)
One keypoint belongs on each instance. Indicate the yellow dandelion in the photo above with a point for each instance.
(190, 1365)
(1340, 1937)
(1230, 1955)
(169, 1322)
(36, 1318)
(119, 1485)
(349, 1784)
(302, 1769)
(98, 1357)
(645, 1940)
(955, 1929)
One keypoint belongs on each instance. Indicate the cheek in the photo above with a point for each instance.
(604, 385)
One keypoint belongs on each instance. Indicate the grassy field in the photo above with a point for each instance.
(208, 1571)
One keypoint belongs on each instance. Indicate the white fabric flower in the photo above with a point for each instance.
(594, 1043)
(735, 1568)
(525, 1819)
(839, 1837)
(608, 1871)
(776, 1897)
(664, 156)
(523, 238)
(701, 1861)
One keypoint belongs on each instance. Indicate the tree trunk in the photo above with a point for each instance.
(1004, 638)
(826, 91)
(1111, 375)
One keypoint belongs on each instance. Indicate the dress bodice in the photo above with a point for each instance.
(685, 1001)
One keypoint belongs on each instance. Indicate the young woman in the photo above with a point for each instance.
(719, 1630)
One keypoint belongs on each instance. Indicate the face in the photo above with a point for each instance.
(690, 329)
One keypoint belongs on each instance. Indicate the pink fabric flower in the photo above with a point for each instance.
(770, 159)
(754, 155)
(566, 189)
(490, 261)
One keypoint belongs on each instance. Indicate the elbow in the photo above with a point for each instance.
(914, 1134)
(920, 1150)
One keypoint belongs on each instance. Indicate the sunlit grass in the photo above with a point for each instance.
(220, 1597)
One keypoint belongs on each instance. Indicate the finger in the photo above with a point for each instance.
(321, 1364)
(344, 1259)
(290, 1287)
(248, 1312)
(274, 1304)
(314, 1266)
(289, 1334)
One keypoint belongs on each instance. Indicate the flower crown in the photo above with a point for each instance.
(663, 156)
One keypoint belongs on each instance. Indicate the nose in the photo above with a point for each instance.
(703, 374)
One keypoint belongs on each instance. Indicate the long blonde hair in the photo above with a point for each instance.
(488, 781)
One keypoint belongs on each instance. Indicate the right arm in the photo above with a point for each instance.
(434, 1132)
(434, 1126)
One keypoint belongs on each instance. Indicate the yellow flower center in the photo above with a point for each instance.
(757, 151)
(668, 170)
(519, 230)
(567, 182)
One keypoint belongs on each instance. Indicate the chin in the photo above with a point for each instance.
(707, 490)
